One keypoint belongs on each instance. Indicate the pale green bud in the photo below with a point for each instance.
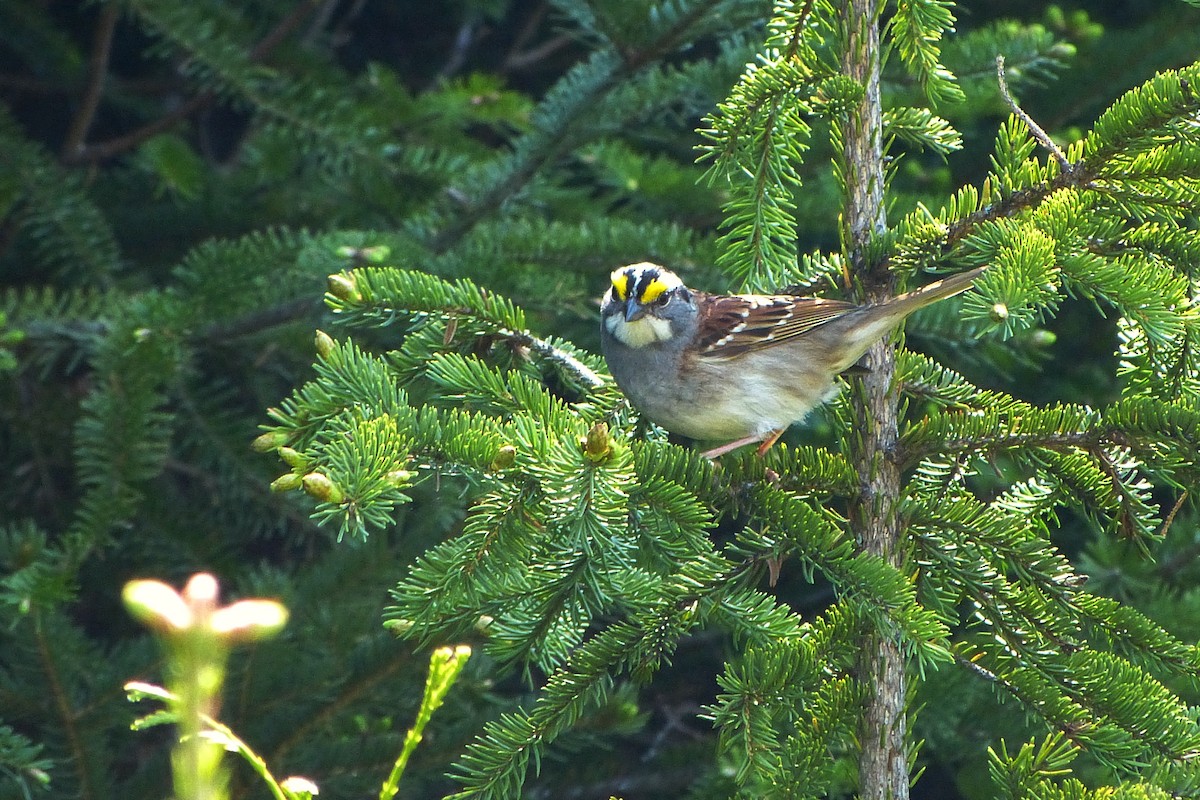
(293, 458)
(287, 482)
(341, 285)
(319, 485)
(269, 441)
(597, 444)
(506, 456)
(324, 344)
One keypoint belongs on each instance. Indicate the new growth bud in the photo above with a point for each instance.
(597, 444)
(400, 477)
(197, 634)
(505, 457)
(341, 285)
(319, 485)
(287, 482)
(365, 255)
(269, 441)
(375, 255)
(299, 787)
(399, 626)
(157, 606)
(324, 344)
(293, 458)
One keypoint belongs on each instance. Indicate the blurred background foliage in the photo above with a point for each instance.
(177, 178)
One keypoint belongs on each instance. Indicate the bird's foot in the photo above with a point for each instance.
(766, 441)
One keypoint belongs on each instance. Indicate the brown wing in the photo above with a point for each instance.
(737, 324)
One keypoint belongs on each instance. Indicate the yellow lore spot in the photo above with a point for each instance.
(620, 282)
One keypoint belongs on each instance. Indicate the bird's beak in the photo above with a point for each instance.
(634, 310)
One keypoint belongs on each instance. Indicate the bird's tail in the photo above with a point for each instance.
(857, 331)
(905, 304)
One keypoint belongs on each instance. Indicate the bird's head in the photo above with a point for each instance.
(646, 304)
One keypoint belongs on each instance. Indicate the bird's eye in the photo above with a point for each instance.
(663, 299)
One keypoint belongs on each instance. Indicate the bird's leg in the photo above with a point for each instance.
(727, 448)
(768, 439)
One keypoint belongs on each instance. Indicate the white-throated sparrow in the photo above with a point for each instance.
(738, 368)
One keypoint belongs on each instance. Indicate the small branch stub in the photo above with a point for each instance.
(1036, 130)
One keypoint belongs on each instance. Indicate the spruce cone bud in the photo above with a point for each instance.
(319, 485)
(999, 312)
(342, 286)
(269, 441)
(400, 477)
(293, 458)
(287, 482)
(506, 456)
(597, 445)
(375, 255)
(324, 344)
(399, 626)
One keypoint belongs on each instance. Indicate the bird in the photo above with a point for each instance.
(739, 368)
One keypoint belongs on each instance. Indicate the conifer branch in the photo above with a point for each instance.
(798, 25)
(114, 147)
(1152, 106)
(543, 146)
(276, 36)
(516, 50)
(1042, 137)
(557, 356)
(329, 710)
(463, 39)
(1078, 177)
(260, 320)
(516, 61)
(1086, 439)
(66, 714)
(97, 77)
(1188, 554)
(102, 151)
(1069, 731)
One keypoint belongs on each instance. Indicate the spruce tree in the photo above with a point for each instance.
(458, 441)
(586, 544)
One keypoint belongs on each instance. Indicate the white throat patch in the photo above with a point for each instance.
(640, 332)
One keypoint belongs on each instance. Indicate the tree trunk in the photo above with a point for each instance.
(883, 763)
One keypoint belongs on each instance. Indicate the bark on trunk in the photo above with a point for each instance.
(883, 763)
